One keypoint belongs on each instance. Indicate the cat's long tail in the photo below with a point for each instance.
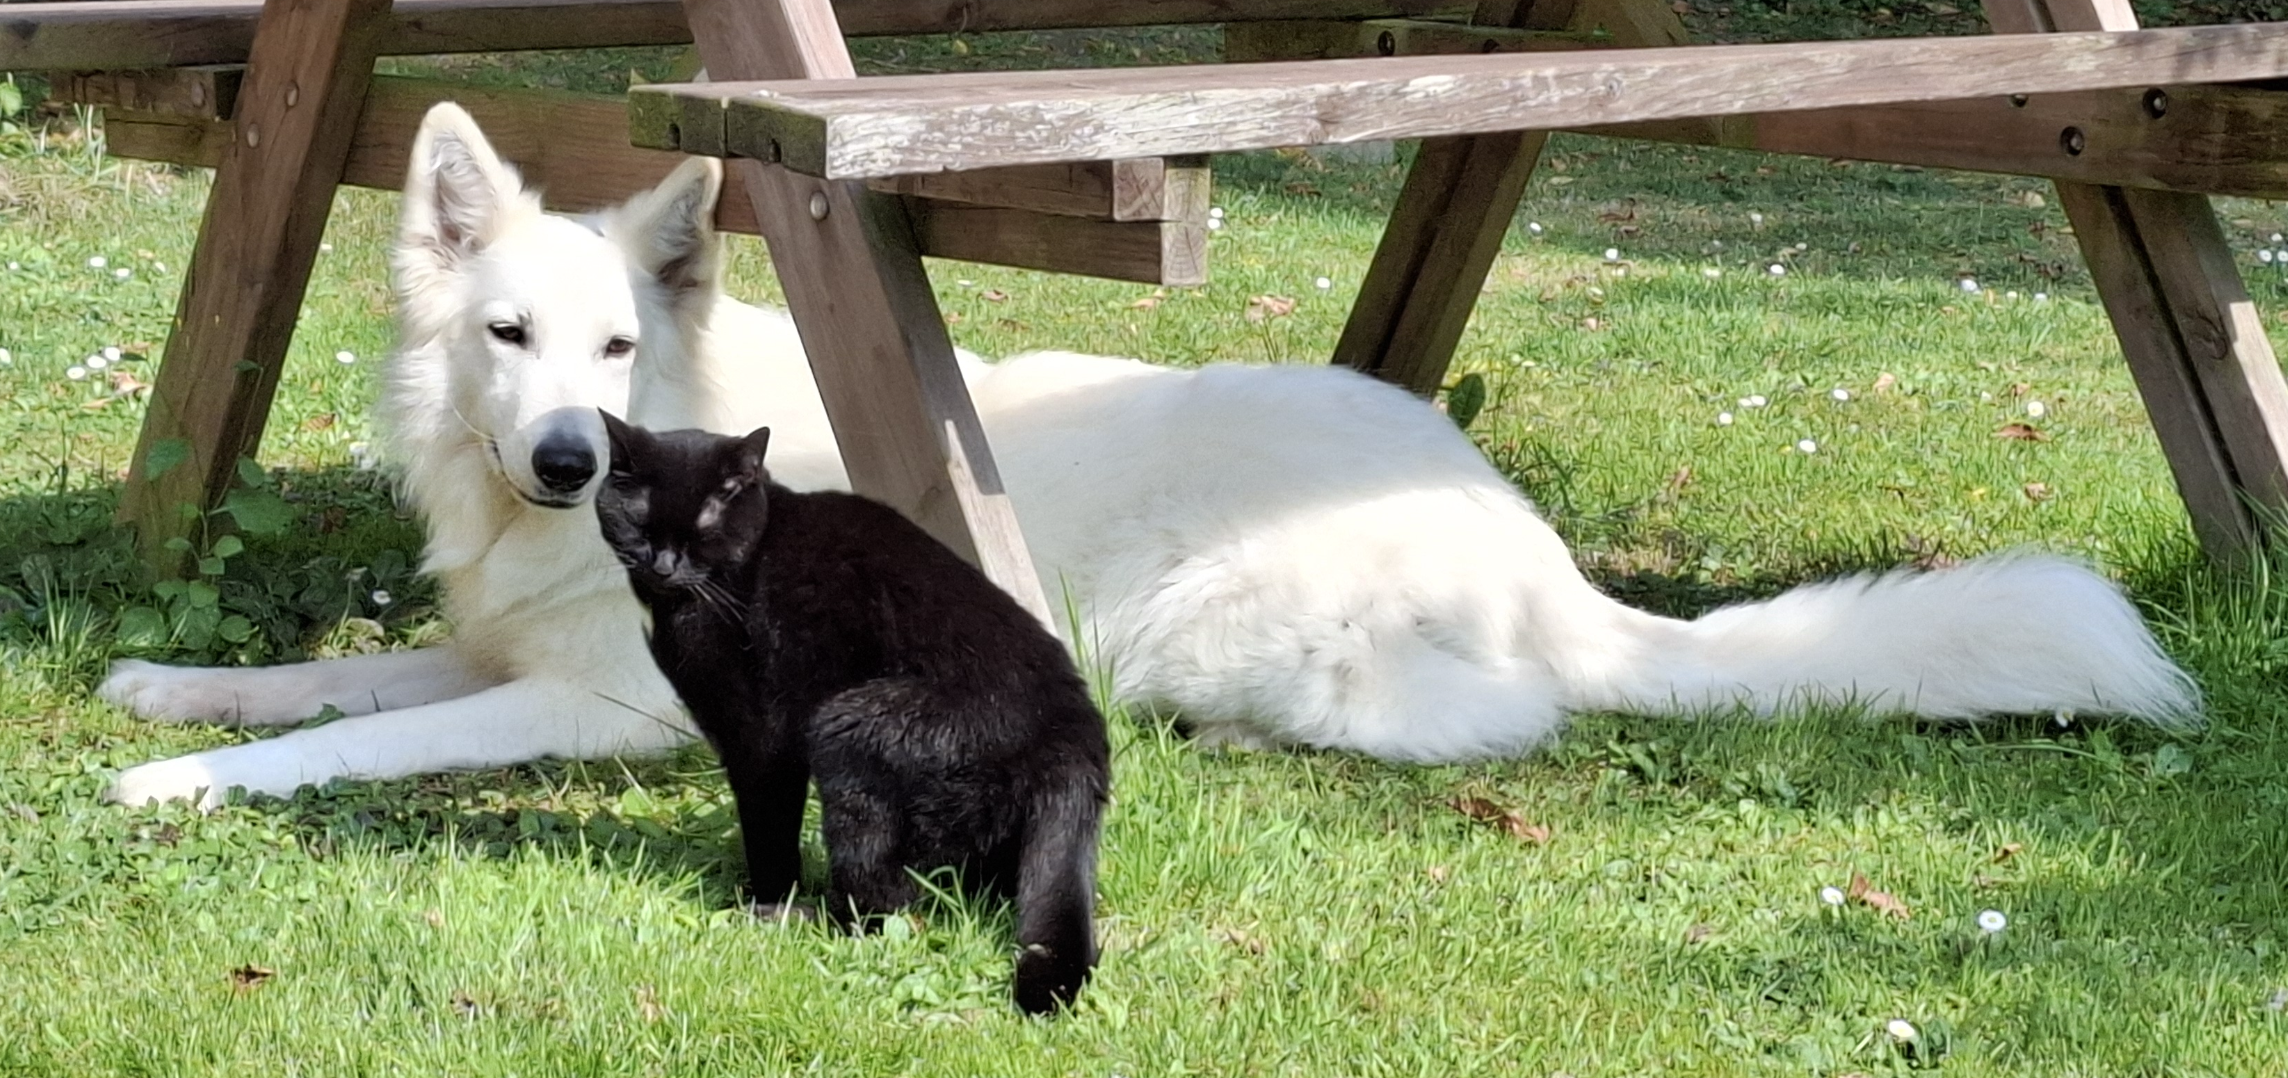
(2012, 633)
(1056, 891)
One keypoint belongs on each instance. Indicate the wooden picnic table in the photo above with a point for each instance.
(851, 181)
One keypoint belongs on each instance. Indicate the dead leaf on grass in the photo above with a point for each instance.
(248, 977)
(1269, 306)
(994, 295)
(2020, 432)
(1885, 381)
(648, 1005)
(2008, 851)
(1866, 895)
(1506, 819)
(2037, 492)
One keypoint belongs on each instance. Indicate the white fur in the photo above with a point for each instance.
(1286, 555)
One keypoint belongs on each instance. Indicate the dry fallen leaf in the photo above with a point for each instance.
(1240, 938)
(2020, 389)
(1493, 815)
(123, 384)
(1866, 895)
(953, 318)
(2020, 432)
(1269, 306)
(436, 918)
(648, 1005)
(1885, 381)
(248, 977)
(2008, 851)
(321, 421)
(1678, 480)
(463, 1005)
(994, 295)
(1697, 933)
(1438, 873)
(2037, 492)
(1148, 302)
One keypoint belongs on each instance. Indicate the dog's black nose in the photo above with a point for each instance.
(563, 464)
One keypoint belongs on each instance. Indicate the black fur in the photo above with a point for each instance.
(823, 636)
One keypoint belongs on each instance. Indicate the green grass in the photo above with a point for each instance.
(1305, 914)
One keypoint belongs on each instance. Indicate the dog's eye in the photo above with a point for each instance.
(619, 346)
(507, 332)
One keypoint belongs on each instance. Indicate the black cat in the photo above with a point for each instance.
(825, 636)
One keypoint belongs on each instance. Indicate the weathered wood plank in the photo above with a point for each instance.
(205, 92)
(928, 123)
(96, 34)
(1448, 223)
(2228, 140)
(1161, 252)
(1148, 189)
(2208, 376)
(853, 276)
(573, 148)
(307, 80)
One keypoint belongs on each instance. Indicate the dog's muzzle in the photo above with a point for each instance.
(563, 464)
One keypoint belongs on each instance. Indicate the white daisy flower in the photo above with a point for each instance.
(2041, 297)
(1807, 446)
(1901, 1030)
(380, 597)
(122, 273)
(1215, 213)
(1755, 401)
(1723, 419)
(7, 358)
(111, 352)
(1533, 227)
(1215, 224)
(75, 372)
(1833, 896)
(1612, 254)
(345, 357)
(1324, 283)
(1968, 285)
(1840, 393)
(96, 362)
(97, 262)
(1756, 219)
(1776, 270)
(1711, 273)
(2264, 255)
(1992, 921)
(2036, 409)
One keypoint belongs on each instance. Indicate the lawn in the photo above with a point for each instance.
(1645, 897)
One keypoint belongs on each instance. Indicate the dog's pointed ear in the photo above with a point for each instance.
(751, 450)
(456, 189)
(669, 231)
(624, 440)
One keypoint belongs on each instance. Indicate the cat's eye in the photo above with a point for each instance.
(507, 332)
(619, 347)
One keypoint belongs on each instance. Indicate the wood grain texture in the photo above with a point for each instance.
(204, 92)
(1454, 211)
(1153, 252)
(855, 129)
(97, 34)
(297, 109)
(2227, 140)
(567, 145)
(851, 267)
(2200, 464)
(2208, 376)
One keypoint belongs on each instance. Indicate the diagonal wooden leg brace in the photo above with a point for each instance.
(297, 109)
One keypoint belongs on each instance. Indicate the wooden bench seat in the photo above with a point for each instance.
(127, 34)
(869, 128)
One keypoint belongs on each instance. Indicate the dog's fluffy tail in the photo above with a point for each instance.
(1056, 892)
(2012, 633)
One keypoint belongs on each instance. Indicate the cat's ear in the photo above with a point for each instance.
(751, 449)
(623, 438)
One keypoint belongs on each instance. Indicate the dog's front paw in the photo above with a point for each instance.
(170, 693)
(186, 778)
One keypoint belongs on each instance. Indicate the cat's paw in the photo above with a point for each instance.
(185, 778)
(171, 693)
(781, 912)
(1233, 737)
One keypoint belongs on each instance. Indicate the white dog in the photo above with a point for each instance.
(1285, 555)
